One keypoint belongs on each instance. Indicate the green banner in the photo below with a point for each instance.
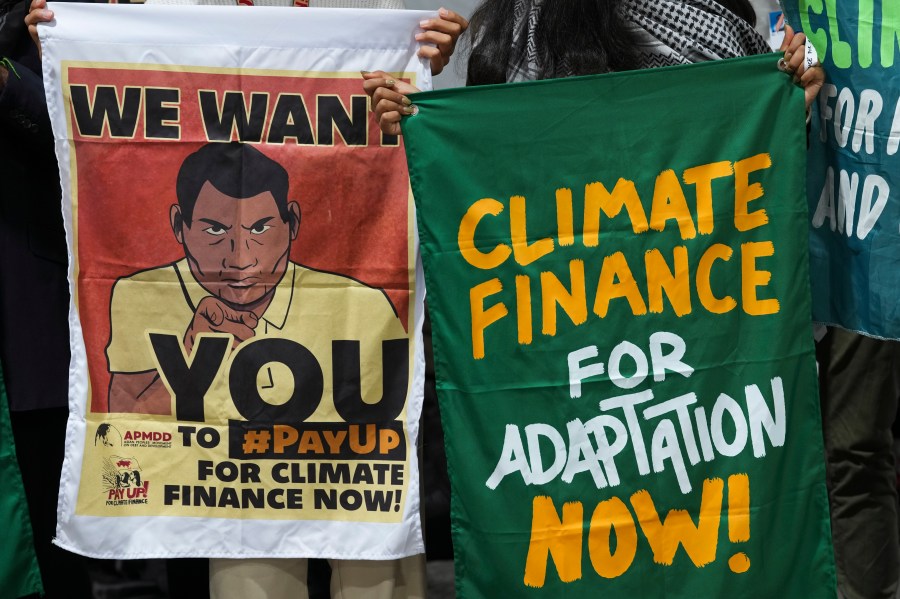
(618, 281)
(19, 575)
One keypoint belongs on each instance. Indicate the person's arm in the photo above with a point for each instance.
(37, 13)
(389, 101)
(811, 77)
(23, 108)
(11, 28)
(144, 392)
(443, 32)
(139, 393)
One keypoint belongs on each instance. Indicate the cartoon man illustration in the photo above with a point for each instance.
(236, 224)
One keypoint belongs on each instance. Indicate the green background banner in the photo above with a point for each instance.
(617, 276)
(19, 575)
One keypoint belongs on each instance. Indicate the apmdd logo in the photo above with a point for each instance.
(142, 438)
(108, 436)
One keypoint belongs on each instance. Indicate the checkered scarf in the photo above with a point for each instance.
(667, 32)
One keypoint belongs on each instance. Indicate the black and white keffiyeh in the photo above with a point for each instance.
(667, 32)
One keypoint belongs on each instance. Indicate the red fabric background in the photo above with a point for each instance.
(353, 199)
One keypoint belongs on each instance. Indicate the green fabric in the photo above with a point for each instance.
(484, 146)
(19, 574)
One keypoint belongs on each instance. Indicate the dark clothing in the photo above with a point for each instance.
(34, 298)
(859, 380)
(658, 33)
(15, 42)
(19, 574)
(40, 440)
(435, 481)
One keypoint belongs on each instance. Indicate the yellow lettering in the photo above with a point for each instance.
(553, 292)
(676, 284)
(283, 437)
(354, 439)
(751, 278)
(699, 540)
(310, 442)
(334, 439)
(669, 203)
(597, 198)
(564, 217)
(523, 309)
(608, 515)
(739, 508)
(739, 519)
(388, 440)
(745, 192)
(554, 538)
(524, 253)
(616, 280)
(481, 318)
(702, 177)
(717, 251)
(465, 238)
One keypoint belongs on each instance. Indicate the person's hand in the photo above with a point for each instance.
(810, 77)
(214, 316)
(37, 13)
(443, 33)
(389, 101)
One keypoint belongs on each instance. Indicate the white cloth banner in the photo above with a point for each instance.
(247, 364)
